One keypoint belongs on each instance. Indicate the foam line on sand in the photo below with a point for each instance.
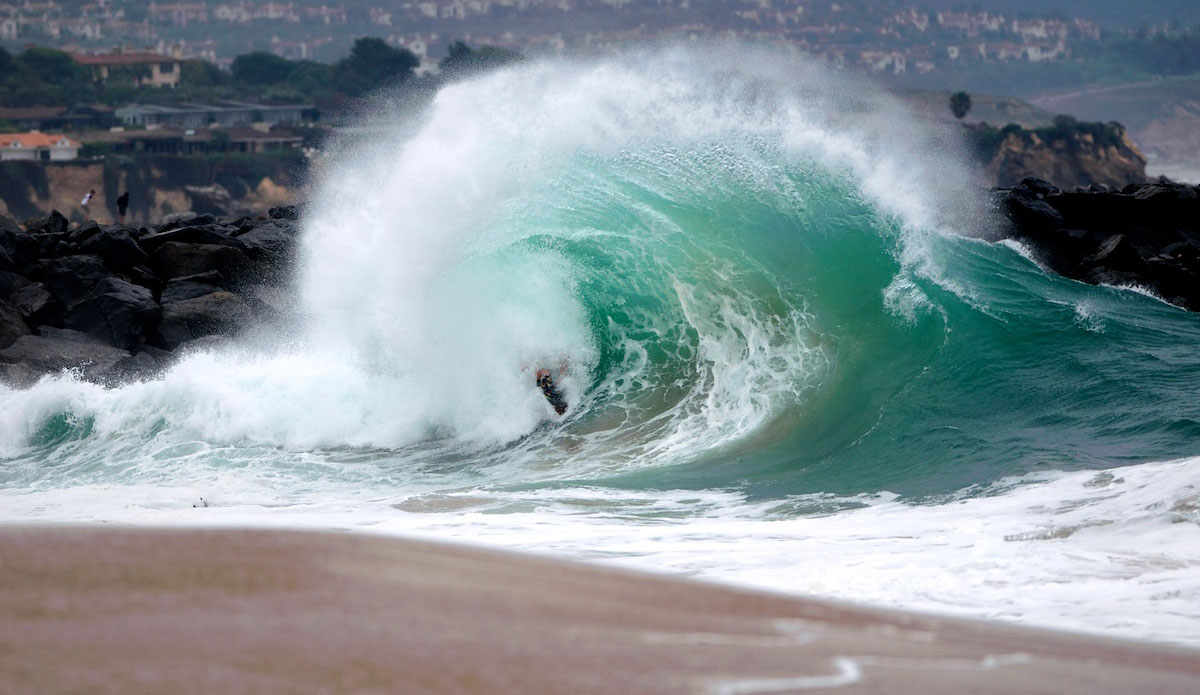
(121, 610)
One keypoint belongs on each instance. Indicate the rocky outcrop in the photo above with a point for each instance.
(115, 302)
(1067, 154)
(1146, 235)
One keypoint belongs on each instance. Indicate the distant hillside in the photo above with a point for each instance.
(998, 111)
(1110, 14)
(1163, 116)
(1013, 139)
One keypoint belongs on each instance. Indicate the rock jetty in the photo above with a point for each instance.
(118, 302)
(1145, 234)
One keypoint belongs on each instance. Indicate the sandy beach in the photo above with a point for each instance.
(108, 610)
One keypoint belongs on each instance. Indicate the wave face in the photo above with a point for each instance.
(770, 305)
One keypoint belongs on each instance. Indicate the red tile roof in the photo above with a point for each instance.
(34, 140)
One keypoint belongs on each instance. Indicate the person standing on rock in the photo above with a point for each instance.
(86, 204)
(123, 205)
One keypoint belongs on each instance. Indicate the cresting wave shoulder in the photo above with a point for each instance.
(651, 229)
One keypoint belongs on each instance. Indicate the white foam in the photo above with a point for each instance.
(1109, 552)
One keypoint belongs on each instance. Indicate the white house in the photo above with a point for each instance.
(36, 146)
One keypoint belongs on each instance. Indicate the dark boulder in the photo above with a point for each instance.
(17, 247)
(190, 287)
(1116, 262)
(37, 305)
(1038, 187)
(83, 232)
(147, 363)
(47, 245)
(284, 212)
(271, 246)
(1028, 211)
(1062, 250)
(70, 278)
(118, 312)
(268, 237)
(1185, 253)
(10, 283)
(56, 349)
(12, 325)
(117, 247)
(175, 260)
(207, 234)
(187, 219)
(216, 313)
(141, 275)
(54, 223)
(1118, 253)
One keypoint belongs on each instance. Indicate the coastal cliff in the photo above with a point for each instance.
(1067, 154)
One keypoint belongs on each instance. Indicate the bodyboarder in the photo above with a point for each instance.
(545, 382)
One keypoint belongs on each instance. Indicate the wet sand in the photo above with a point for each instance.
(108, 610)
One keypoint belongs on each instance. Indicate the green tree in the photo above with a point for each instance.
(372, 64)
(311, 78)
(201, 73)
(46, 76)
(461, 59)
(51, 66)
(960, 104)
(260, 68)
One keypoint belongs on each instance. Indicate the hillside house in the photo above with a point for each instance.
(148, 68)
(37, 146)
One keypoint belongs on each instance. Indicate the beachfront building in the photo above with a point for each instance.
(37, 146)
(51, 118)
(253, 140)
(225, 113)
(145, 68)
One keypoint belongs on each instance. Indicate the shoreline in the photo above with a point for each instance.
(237, 610)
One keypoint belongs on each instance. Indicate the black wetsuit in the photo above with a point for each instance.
(552, 394)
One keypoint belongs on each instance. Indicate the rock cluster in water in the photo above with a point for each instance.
(117, 302)
(1146, 234)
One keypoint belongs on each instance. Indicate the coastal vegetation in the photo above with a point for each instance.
(42, 76)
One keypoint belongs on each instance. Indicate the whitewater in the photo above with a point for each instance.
(794, 358)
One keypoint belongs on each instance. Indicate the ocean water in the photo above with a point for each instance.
(793, 357)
